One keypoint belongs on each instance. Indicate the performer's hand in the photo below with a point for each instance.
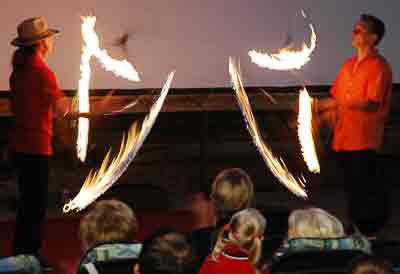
(62, 107)
(325, 104)
(105, 104)
(328, 118)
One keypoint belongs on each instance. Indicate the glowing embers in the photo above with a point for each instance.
(122, 68)
(276, 165)
(305, 131)
(286, 58)
(98, 182)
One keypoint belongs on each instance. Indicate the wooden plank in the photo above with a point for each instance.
(191, 103)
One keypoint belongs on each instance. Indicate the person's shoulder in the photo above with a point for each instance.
(380, 61)
(44, 73)
(209, 266)
(350, 60)
(348, 63)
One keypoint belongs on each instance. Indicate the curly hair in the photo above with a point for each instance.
(108, 221)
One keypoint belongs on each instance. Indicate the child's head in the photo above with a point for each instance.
(314, 222)
(108, 221)
(370, 265)
(245, 230)
(166, 251)
(232, 190)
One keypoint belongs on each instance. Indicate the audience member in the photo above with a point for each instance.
(316, 229)
(108, 232)
(239, 245)
(166, 252)
(232, 190)
(20, 264)
(370, 265)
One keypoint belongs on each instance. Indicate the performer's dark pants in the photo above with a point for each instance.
(33, 178)
(366, 194)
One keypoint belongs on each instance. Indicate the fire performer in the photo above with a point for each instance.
(359, 103)
(35, 98)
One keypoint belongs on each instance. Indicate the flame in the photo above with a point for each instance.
(98, 182)
(83, 93)
(286, 59)
(119, 68)
(276, 165)
(304, 120)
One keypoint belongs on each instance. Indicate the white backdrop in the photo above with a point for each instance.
(195, 38)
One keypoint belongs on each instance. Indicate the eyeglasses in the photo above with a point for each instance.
(357, 31)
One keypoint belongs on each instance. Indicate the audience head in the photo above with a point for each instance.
(108, 221)
(314, 223)
(245, 230)
(166, 252)
(370, 265)
(232, 190)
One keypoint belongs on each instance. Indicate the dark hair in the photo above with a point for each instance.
(22, 54)
(167, 251)
(370, 265)
(374, 25)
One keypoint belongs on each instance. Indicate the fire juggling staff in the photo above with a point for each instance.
(359, 102)
(35, 98)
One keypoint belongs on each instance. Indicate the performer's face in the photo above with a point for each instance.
(361, 37)
(47, 46)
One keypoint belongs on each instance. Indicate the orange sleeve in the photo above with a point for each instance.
(379, 82)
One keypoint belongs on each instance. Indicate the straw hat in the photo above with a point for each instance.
(31, 31)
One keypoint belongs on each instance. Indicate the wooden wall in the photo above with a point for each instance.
(198, 133)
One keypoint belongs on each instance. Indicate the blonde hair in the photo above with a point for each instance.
(245, 230)
(108, 221)
(232, 190)
(314, 223)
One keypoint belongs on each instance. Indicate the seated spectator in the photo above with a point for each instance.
(370, 265)
(232, 191)
(316, 229)
(239, 245)
(20, 264)
(108, 232)
(166, 252)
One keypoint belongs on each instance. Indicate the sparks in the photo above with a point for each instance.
(98, 182)
(276, 165)
(286, 59)
(119, 68)
(305, 130)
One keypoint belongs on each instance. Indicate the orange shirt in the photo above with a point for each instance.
(369, 80)
(34, 92)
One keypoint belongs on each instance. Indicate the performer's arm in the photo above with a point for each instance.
(325, 104)
(379, 83)
(366, 106)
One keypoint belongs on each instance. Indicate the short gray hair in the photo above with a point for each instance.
(315, 223)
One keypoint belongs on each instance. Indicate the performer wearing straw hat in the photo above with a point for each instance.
(35, 98)
(360, 101)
